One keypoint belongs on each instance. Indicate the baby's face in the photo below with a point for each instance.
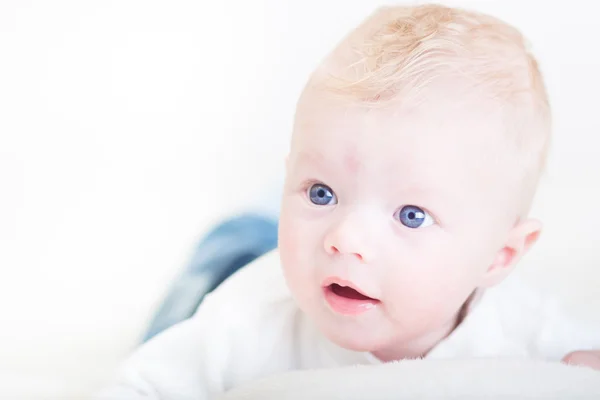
(389, 222)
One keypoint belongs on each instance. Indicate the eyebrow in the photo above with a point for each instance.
(417, 192)
(350, 163)
(312, 160)
(309, 157)
(317, 159)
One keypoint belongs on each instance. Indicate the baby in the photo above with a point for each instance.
(417, 147)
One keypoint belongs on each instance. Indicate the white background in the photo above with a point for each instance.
(128, 126)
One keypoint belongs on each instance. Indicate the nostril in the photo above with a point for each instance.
(335, 250)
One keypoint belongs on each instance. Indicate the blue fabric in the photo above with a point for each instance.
(225, 249)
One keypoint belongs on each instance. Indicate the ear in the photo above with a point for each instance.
(520, 239)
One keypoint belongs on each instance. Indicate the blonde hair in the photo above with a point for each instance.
(398, 52)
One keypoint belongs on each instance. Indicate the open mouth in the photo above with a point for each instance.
(347, 300)
(348, 292)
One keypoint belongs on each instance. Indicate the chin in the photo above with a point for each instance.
(351, 338)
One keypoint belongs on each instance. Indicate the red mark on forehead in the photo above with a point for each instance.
(351, 161)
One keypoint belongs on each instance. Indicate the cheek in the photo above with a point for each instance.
(429, 286)
(296, 251)
(288, 242)
(293, 231)
(300, 234)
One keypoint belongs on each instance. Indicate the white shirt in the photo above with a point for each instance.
(250, 327)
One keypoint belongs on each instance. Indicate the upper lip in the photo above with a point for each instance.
(342, 282)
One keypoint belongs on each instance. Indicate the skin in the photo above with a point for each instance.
(450, 161)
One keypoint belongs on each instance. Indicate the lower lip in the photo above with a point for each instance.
(346, 306)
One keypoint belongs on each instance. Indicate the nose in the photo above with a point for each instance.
(350, 237)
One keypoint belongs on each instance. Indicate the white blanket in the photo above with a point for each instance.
(431, 379)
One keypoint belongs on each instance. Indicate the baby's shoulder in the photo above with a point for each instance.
(517, 302)
(538, 320)
(256, 291)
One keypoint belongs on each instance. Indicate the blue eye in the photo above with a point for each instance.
(414, 217)
(321, 195)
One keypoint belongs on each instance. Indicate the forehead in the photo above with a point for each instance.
(431, 142)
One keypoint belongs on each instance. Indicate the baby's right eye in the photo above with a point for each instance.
(321, 195)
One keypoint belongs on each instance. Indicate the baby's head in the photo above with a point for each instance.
(417, 147)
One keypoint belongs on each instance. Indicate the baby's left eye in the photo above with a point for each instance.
(414, 217)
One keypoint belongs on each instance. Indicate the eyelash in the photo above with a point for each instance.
(306, 185)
